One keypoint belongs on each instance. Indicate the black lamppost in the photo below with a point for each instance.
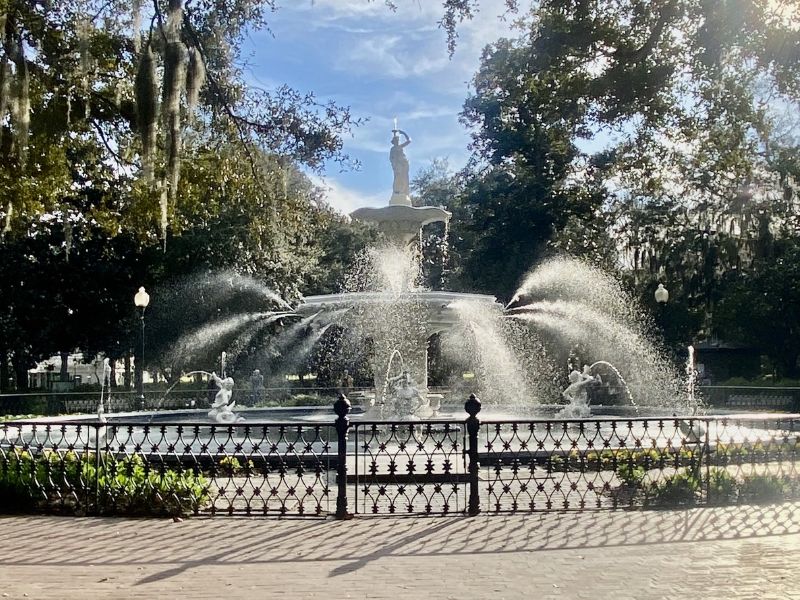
(141, 300)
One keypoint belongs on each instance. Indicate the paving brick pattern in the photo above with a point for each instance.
(725, 553)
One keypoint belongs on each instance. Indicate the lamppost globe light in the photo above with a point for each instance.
(662, 295)
(142, 298)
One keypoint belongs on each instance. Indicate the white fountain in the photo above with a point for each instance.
(222, 407)
(387, 305)
(509, 356)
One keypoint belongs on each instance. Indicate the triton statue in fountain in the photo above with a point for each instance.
(222, 408)
(406, 398)
(577, 393)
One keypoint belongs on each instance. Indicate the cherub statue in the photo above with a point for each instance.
(577, 393)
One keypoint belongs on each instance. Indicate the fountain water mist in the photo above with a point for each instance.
(620, 379)
(105, 381)
(299, 352)
(502, 377)
(192, 343)
(691, 376)
(395, 354)
(574, 305)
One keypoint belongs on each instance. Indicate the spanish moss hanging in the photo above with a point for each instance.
(147, 109)
(136, 24)
(195, 78)
(22, 106)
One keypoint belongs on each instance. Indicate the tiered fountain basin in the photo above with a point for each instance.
(401, 222)
(439, 312)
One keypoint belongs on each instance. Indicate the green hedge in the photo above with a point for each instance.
(69, 483)
(685, 488)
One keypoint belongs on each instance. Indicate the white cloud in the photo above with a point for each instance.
(343, 11)
(405, 43)
(343, 199)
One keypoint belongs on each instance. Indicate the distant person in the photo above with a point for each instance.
(256, 387)
(347, 382)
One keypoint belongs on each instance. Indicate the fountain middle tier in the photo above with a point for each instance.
(439, 311)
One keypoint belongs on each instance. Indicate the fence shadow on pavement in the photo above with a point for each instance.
(195, 543)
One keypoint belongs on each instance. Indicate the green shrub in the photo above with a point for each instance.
(676, 490)
(722, 487)
(308, 400)
(762, 489)
(132, 487)
(230, 465)
(64, 482)
(631, 475)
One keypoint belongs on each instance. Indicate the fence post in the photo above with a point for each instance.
(473, 407)
(707, 457)
(97, 469)
(342, 408)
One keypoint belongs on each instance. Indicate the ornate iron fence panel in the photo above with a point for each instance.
(169, 469)
(407, 467)
(46, 467)
(759, 453)
(608, 463)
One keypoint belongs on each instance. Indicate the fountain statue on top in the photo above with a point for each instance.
(401, 222)
(400, 186)
(222, 408)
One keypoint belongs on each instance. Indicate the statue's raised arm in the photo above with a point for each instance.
(398, 132)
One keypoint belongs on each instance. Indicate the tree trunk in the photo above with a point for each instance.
(20, 364)
(64, 375)
(127, 375)
(3, 370)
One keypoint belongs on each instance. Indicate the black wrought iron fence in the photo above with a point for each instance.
(407, 467)
(130, 468)
(396, 467)
(607, 463)
(758, 398)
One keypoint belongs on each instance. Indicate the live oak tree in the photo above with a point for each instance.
(761, 308)
(668, 123)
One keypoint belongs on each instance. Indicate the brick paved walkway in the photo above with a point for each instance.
(736, 552)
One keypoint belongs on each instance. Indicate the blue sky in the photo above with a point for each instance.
(382, 64)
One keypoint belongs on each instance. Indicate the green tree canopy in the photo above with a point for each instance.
(661, 121)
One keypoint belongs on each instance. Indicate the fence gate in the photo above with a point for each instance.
(403, 467)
